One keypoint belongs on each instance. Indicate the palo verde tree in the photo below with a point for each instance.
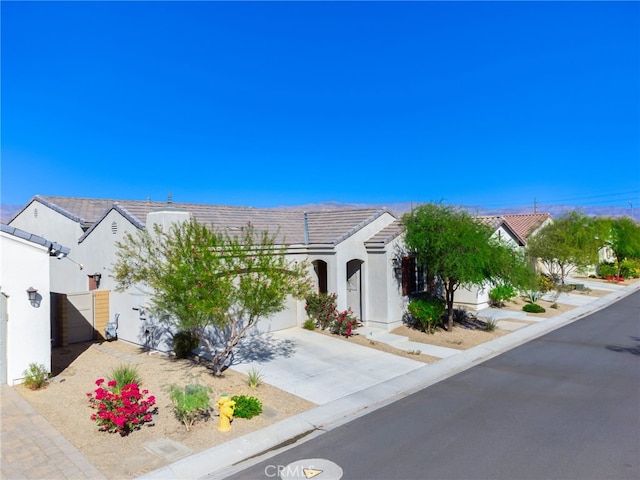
(624, 240)
(460, 251)
(212, 283)
(571, 241)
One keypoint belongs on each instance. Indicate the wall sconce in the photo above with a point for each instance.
(96, 278)
(32, 293)
(397, 267)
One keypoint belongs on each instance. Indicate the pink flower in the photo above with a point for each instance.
(112, 383)
(99, 381)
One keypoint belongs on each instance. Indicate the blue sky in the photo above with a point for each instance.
(288, 103)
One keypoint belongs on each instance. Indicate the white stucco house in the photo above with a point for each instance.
(356, 253)
(351, 252)
(25, 332)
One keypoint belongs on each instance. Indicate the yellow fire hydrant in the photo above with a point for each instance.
(226, 407)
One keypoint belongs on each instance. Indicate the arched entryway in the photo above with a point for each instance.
(354, 287)
(320, 269)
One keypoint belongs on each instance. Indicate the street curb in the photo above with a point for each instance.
(223, 460)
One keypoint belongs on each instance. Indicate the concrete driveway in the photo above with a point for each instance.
(317, 367)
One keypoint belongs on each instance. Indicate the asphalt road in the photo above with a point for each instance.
(563, 406)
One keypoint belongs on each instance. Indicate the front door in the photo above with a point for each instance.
(354, 287)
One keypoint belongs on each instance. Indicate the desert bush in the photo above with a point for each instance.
(501, 294)
(607, 270)
(123, 411)
(309, 324)
(491, 325)
(345, 323)
(246, 407)
(428, 312)
(545, 283)
(190, 403)
(184, 343)
(533, 308)
(321, 308)
(124, 375)
(630, 268)
(36, 376)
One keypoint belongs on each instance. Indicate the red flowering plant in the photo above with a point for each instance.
(344, 323)
(121, 412)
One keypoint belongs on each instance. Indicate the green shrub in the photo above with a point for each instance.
(428, 312)
(533, 308)
(124, 375)
(36, 376)
(630, 268)
(501, 294)
(607, 270)
(321, 308)
(190, 403)
(246, 407)
(185, 342)
(309, 324)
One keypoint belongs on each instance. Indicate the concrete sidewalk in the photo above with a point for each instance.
(218, 462)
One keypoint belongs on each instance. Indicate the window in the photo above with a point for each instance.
(414, 278)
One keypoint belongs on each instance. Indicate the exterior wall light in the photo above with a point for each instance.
(96, 278)
(32, 293)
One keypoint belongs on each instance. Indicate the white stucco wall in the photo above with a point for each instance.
(24, 264)
(41, 220)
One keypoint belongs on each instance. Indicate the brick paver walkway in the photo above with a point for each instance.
(32, 448)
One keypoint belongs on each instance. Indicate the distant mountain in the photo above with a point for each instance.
(7, 212)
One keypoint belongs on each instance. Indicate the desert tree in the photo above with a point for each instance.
(214, 283)
(624, 239)
(460, 251)
(572, 241)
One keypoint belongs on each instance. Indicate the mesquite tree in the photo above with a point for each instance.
(214, 283)
(624, 240)
(459, 251)
(572, 241)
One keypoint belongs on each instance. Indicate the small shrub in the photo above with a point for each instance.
(309, 324)
(124, 375)
(428, 312)
(345, 323)
(532, 296)
(121, 412)
(533, 308)
(491, 325)
(246, 407)
(554, 305)
(36, 376)
(190, 403)
(321, 308)
(607, 270)
(254, 377)
(545, 283)
(184, 343)
(501, 294)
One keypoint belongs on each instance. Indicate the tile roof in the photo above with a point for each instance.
(324, 227)
(386, 235)
(526, 223)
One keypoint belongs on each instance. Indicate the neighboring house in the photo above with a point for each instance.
(350, 252)
(25, 330)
